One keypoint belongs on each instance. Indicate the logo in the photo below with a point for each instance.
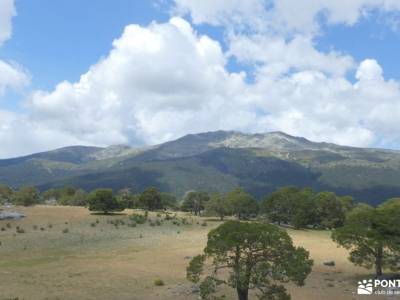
(365, 287)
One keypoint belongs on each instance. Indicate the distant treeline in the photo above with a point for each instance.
(300, 208)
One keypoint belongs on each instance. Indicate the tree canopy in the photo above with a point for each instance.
(218, 205)
(103, 200)
(242, 204)
(304, 207)
(373, 236)
(195, 201)
(249, 256)
(26, 196)
(151, 199)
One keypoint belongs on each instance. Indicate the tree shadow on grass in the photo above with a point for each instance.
(108, 214)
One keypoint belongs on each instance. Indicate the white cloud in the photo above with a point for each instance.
(156, 83)
(279, 56)
(165, 80)
(11, 74)
(282, 16)
(7, 11)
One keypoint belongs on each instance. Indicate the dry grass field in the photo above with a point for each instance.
(98, 260)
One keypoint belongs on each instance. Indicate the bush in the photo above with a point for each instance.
(20, 230)
(65, 230)
(103, 200)
(139, 219)
(158, 282)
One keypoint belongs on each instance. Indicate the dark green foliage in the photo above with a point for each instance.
(158, 282)
(373, 236)
(241, 204)
(52, 194)
(247, 256)
(26, 196)
(303, 207)
(103, 200)
(67, 196)
(138, 219)
(127, 199)
(168, 201)
(218, 205)
(19, 230)
(193, 163)
(330, 212)
(151, 199)
(195, 202)
(78, 198)
(6, 193)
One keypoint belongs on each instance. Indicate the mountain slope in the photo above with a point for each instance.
(216, 161)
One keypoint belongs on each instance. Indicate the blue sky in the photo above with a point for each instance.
(56, 41)
(303, 74)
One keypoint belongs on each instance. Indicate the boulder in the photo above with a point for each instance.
(5, 215)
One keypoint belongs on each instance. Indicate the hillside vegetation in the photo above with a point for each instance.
(215, 162)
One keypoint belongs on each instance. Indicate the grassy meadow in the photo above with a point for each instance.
(68, 253)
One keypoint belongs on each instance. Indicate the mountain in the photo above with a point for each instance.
(216, 161)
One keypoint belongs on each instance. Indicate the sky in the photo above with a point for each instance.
(144, 72)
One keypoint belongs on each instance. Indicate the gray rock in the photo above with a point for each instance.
(5, 215)
(195, 289)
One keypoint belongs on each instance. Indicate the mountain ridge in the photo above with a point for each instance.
(215, 161)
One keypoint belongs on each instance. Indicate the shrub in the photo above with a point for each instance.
(35, 227)
(139, 219)
(20, 230)
(65, 230)
(158, 282)
(93, 224)
(3, 229)
(103, 200)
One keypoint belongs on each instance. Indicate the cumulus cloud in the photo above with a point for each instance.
(7, 11)
(158, 82)
(282, 16)
(162, 81)
(11, 74)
